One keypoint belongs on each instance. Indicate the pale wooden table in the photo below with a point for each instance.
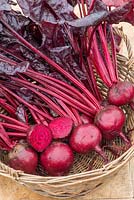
(121, 187)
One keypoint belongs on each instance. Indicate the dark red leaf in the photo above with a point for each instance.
(96, 16)
(21, 113)
(123, 13)
(46, 10)
(4, 5)
(9, 69)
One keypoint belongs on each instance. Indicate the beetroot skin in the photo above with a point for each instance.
(121, 93)
(86, 137)
(24, 158)
(39, 137)
(110, 121)
(61, 127)
(57, 159)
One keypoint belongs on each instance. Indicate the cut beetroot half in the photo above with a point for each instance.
(61, 127)
(39, 137)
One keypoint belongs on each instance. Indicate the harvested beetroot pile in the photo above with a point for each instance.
(53, 107)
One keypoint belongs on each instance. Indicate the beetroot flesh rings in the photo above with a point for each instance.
(110, 120)
(57, 159)
(85, 138)
(39, 137)
(121, 93)
(24, 158)
(61, 127)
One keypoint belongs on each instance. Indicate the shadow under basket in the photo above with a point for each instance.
(80, 181)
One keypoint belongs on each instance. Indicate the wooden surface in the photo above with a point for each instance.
(120, 187)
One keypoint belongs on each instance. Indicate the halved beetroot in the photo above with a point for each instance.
(39, 137)
(61, 127)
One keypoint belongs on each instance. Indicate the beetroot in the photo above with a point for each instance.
(110, 121)
(57, 159)
(23, 157)
(85, 138)
(39, 137)
(121, 93)
(61, 127)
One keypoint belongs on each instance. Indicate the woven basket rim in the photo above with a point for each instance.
(102, 169)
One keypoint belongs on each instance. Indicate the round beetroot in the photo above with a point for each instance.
(57, 159)
(39, 137)
(23, 157)
(86, 137)
(121, 93)
(110, 121)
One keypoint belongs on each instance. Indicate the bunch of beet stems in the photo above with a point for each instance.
(83, 88)
(60, 90)
(63, 93)
(7, 107)
(92, 106)
(56, 66)
(9, 137)
(105, 66)
(97, 46)
(86, 65)
(70, 105)
(107, 69)
(120, 92)
(54, 87)
(84, 9)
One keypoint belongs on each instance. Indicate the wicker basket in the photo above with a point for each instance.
(80, 181)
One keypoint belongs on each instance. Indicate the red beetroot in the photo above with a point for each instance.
(85, 138)
(110, 121)
(39, 137)
(24, 158)
(61, 127)
(57, 159)
(121, 93)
